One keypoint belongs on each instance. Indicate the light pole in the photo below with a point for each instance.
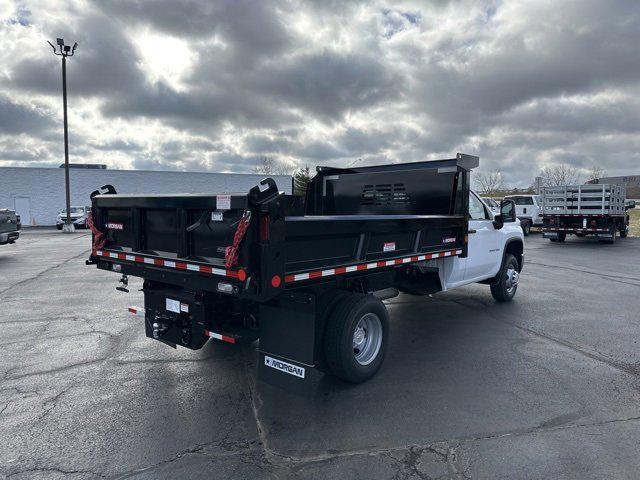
(64, 52)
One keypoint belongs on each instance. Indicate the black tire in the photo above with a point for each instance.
(526, 228)
(502, 290)
(581, 235)
(325, 306)
(553, 239)
(562, 237)
(59, 227)
(339, 349)
(612, 240)
(623, 231)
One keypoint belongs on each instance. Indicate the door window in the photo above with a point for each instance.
(476, 208)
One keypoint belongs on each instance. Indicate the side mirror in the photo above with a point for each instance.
(631, 204)
(507, 214)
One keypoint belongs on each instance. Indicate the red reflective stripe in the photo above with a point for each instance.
(239, 274)
(132, 310)
(365, 266)
(227, 339)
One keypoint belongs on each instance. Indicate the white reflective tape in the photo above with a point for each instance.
(301, 276)
(215, 335)
(99, 253)
(131, 258)
(217, 271)
(326, 273)
(421, 257)
(169, 263)
(113, 255)
(194, 268)
(406, 260)
(372, 265)
(458, 252)
(390, 262)
(351, 268)
(447, 254)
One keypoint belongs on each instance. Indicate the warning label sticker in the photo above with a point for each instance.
(389, 247)
(223, 202)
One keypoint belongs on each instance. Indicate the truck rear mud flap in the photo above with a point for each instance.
(288, 342)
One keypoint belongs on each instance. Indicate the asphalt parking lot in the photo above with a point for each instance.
(544, 387)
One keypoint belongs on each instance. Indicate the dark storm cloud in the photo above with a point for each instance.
(522, 83)
(16, 119)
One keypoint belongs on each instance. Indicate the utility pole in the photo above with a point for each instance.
(64, 52)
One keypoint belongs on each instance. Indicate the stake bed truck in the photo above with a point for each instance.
(581, 210)
(306, 276)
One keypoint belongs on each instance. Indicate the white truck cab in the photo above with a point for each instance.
(528, 210)
(496, 251)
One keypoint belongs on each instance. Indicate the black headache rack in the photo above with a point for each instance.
(358, 230)
(353, 221)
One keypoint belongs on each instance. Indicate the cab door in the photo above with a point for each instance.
(484, 254)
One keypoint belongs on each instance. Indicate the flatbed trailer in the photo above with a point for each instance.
(289, 270)
(581, 210)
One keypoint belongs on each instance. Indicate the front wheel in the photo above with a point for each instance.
(356, 337)
(504, 289)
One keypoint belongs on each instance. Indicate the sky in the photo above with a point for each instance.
(206, 85)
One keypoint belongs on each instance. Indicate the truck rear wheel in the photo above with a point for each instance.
(504, 289)
(356, 337)
(562, 236)
(526, 227)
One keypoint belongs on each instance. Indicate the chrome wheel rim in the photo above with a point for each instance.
(511, 282)
(367, 339)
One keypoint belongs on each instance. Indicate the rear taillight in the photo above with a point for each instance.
(264, 228)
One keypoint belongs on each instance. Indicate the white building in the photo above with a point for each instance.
(37, 194)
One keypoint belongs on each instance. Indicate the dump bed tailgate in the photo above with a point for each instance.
(188, 231)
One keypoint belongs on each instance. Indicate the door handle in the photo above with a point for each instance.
(472, 231)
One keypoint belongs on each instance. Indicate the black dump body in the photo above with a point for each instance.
(358, 230)
(352, 222)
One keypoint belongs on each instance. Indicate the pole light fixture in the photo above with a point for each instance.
(65, 51)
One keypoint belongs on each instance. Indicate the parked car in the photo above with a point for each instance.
(306, 276)
(78, 217)
(9, 226)
(493, 205)
(528, 210)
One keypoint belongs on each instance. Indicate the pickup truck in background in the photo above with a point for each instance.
(528, 210)
(581, 210)
(9, 226)
(306, 276)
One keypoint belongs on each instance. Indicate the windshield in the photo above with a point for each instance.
(521, 200)
(73, 210)
(491, 202)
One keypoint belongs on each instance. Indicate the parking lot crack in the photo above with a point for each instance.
(44, 272)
